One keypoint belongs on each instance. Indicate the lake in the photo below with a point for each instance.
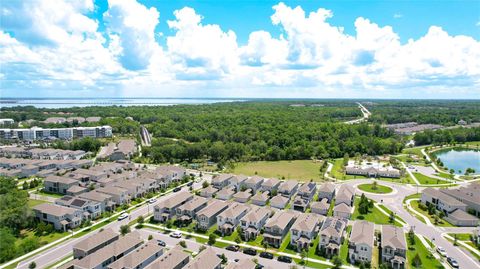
(84, 102)
(460, 160)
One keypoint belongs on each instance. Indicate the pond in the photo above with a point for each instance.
(460, 160)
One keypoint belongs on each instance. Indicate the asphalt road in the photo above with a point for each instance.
(194, 246)
(56, 253)
(394, 202)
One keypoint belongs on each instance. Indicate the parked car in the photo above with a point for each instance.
(190, 183)
(123, 216)
(442, 251)
(161, 243)
(453, 262)
(284, 259)
(250, 251)
(233, 248)
(177, 189)
(176, 235)
(259, 266)
(266, 255)
(236, 260)
(152, 200)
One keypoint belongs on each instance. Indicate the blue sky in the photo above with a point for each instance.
(346, 49)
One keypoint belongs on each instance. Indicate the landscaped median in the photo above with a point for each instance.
(375, 188)
(317, 262)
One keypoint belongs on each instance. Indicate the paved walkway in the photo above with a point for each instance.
(410, 173)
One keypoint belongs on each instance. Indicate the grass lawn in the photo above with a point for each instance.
(43, 240)
(338, 171)
(389, 211)
(300, 169)
(441, 222)
(426, 180)
(461, 237)
(415, 151)
(413, 196)
(428, 261)
(344, 248)
(284, 247)
(374, 215)
(33, 202)
(51, 194)
(379, 188)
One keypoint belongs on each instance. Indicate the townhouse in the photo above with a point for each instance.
(237, 181)
(279, 201)
(253, 221)
(260, 198)
(207, 217)
(360, 243)
(165, 175)
(441, 201)
(469, 195)
(222, 180)
(332, 234)
(345, 194)
(304, 230)
(326, 190)
(188, 211)
(62, 218)
(93, 243)
(208, 192)
(254, 183)
(166, 209)
(230, 218)
(206, 259)
(105, 256)
(90, 209)
(124, 150)
(243, 196)
(175, 258)
(140, 257)
(278, 226)
(270, 184)
(288, 188)
(134, 188)
(342, 211)
(225, 193)
(321, 207)
(393, 246)
(76, 190)
(105, 200)
(119, 195)
(243, 264)
(58, 184)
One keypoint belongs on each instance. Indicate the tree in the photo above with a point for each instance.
(150, 237)
(374, 185)
(223, 258)
(416, 261)
(7, 247)
(391, 218)
(337, 262)
(140, 220)
(303, 255)
(212, 238)
(124, 229)
(411, 236)
(183, 244)
(32, 265)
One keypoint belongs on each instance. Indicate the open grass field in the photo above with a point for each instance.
(303, 170)
(428, 260)
(371, 188)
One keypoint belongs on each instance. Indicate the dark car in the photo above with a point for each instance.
(284, 259)
(177, 189)
(259, 266)
(452, 262)
(161, 243)
(250, 251)
(190, 183)
(266, 255)
(233, 248)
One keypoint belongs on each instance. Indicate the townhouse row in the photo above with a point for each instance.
(37, 133)
(277, 224)
(14, 167)
(108, 250)
(259, 191)
(461, 206)
(114, 184)
(41, 153)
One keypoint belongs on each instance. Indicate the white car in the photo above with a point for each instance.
(442, 251)
(123, 216)
(176, 235)
(151, 201)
